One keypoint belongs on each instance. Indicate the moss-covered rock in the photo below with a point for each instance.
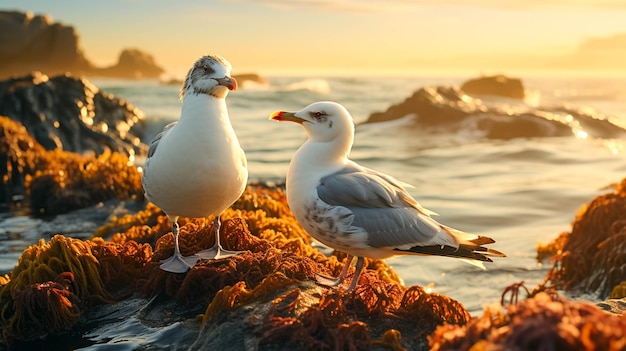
(592, 257)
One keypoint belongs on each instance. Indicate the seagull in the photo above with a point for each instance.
(195, 166)
(358, 210)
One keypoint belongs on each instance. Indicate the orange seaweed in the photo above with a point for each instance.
(43, 308)
(277, 259)
(592, 257)
(543, 322)
(20, 154)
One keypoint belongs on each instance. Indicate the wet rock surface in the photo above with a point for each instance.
(69, 113)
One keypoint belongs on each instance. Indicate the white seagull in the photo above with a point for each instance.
(357, 210)
(195, 166)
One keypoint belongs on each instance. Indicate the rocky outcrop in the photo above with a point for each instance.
(591, 258)
(55, 182)
(445, 109)
(29, 42)
(132, 63)
(35, 43)
(432, 106)
(498, 85)
(69, 113)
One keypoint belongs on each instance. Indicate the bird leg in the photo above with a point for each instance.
(360, 262)
(329, 281)
(217, 251)
(177, 263)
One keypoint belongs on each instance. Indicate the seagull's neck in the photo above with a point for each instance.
(325, 156)
(195, 105)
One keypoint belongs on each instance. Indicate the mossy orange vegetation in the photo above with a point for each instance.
(278, 264)
(592, 257)
(54, 281)
(543, 322)
(278, 258)
(59, 181)
(19, 155)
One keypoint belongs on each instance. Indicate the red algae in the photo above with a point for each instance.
(58, 181)
(277, 266)
(42, 309)
(20, 154)
(542, 322)
(66, 181)
(592, 257)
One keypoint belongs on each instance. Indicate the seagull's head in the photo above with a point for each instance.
(324, 121)
(209, 75)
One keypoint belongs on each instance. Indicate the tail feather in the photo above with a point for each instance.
(469, 251)
(463, 251)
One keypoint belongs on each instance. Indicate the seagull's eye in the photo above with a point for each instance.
(207, 69)
(319, 115)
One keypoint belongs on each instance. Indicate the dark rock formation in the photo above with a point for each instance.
(35, 43)
(56, 181)
(498, 85)
(72, 114)
(443, 109)
(433, 106)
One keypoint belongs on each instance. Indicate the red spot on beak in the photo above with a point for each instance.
(277, 116)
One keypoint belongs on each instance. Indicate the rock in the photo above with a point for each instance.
(432, 106)
(71, 114)
(29, 42)
(35, 43)
(498, 85)
(444, 109)
(450, 109)
(132, 63)
(591, 258)
(60, 181)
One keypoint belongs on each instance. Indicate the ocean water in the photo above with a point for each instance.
(518, 191)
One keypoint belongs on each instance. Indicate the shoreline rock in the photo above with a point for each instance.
(592, 256)
(451, 109)
(31, 42)
(71, 114)
(498, 85)
(54, 181)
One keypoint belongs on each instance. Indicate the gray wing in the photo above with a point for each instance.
(157, 138)
(380, 205)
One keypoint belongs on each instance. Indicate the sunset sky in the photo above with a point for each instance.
(353, 36)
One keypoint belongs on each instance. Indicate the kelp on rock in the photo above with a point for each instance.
(57, 181)
(545, 321)
(277, 267)
(54, 281)
(592, 257)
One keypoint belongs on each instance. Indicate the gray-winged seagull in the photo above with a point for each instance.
(195, 166)
(357, 210)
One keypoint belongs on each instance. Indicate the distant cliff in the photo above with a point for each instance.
(35, 43)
